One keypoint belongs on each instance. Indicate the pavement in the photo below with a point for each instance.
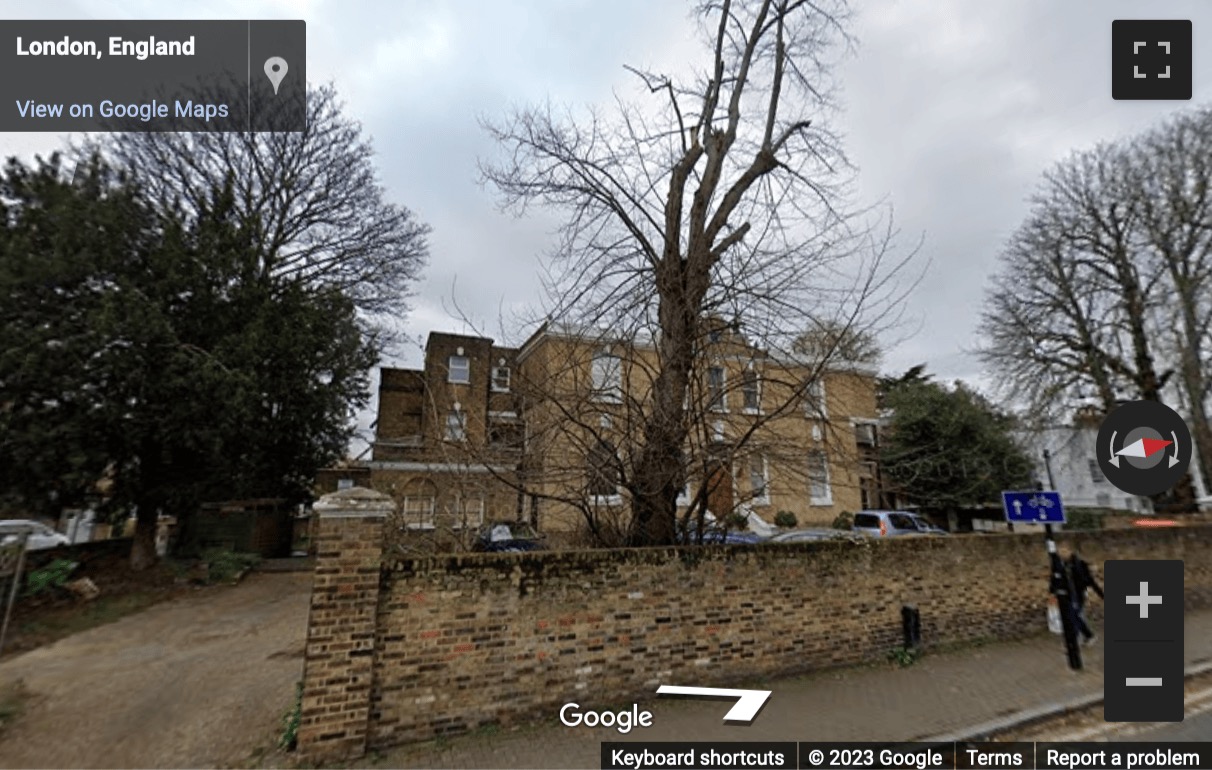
(946, 693)
(199, 681)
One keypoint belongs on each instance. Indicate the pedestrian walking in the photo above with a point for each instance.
(1082, 579)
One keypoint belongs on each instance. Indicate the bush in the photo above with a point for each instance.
(1083, 518)
(53, 575)
(737, 521)
(904, 656)
(785, 519)
(844, 520)
(225, 566)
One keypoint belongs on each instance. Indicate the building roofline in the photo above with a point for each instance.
(552, 330)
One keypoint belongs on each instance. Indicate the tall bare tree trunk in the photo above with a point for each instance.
(658, 468)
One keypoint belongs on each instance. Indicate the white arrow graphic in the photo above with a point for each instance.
(1114, 456)
(747, 706)
(1018, 507)
(1174, 457)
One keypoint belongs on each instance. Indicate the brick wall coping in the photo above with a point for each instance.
(766, 552)
(355, 502)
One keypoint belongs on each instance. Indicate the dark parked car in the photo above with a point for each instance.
(509, 537)
(716, 536)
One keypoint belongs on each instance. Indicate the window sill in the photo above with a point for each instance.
(751, 410)
(760, 502)
(606, 499)
(820, 502)
(458, 382)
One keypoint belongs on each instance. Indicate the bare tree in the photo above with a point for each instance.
(312, 198)
(1071, 316)
(721, 196)
(1172, 182)
(1106, 288)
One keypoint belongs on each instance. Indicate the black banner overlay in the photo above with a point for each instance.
(721, 755)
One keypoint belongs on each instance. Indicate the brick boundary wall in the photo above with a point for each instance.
(421, 648)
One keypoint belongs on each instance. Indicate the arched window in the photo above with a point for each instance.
(417, 505)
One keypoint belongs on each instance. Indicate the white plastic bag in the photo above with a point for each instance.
(1054, 616)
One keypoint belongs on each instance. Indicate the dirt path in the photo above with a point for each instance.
(201, 681)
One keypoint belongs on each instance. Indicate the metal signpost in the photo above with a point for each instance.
(12, 562)
(1045, 507)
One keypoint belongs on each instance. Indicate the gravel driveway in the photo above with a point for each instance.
(201, 681)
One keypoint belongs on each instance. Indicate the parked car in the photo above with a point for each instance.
(713, 534)
(41, 536)
(509, 537)
(812, 535)
(894, 524)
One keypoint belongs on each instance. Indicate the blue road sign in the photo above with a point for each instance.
(1034, 507)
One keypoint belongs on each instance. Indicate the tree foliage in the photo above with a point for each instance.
(149, 351)
(949, 447)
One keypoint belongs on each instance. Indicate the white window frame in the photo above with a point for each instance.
(814, 399)
(460, 517)
(1096, 472)
(451, 368)
(873, 425)
(425, 518)
(764, 498)
(459, 423)
(757, 391)
(827, 498)
(508, 381)
(719, 405)
(606, 380)
(718, 433)
(684, 495)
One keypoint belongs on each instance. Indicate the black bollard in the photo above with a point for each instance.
(911, 626)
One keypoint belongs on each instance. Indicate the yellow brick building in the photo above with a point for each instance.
(544, 433)
(766, 434)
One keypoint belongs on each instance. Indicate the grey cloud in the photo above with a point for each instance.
(953, 110)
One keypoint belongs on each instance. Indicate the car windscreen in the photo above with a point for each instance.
(902, 521)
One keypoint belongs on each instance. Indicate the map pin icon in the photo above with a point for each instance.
(275, 70)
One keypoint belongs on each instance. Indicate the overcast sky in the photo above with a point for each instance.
(953, 109)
